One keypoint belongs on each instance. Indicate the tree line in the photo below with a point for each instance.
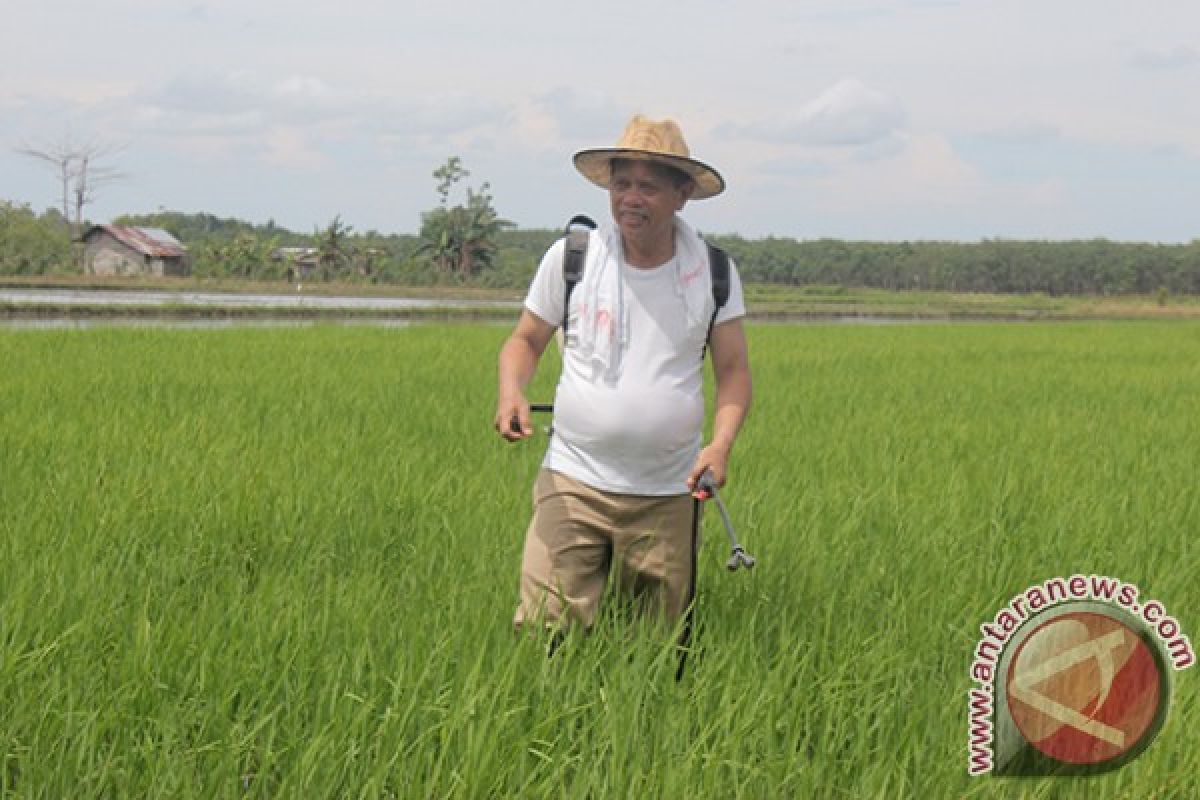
(39, 244)
(470, 244)
(1091, 267)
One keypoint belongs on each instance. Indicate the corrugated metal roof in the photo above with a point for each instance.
(159, 235)
(153, 242)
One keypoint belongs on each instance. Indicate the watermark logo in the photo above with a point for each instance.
(1074, 677)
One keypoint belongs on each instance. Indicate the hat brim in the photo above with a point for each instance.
(596, 166)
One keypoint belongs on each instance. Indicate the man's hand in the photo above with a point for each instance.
(713, 457)
(512, 418)
(518, 360)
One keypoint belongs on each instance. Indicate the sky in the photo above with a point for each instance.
(856, 119)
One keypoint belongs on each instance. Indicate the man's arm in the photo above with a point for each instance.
(731, 368)
(518, 361)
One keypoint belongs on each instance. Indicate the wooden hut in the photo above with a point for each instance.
(123, 250)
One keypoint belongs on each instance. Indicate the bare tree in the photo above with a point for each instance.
(80, 172)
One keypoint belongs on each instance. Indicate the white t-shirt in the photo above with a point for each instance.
(640, 435)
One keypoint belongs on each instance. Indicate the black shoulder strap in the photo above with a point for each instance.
(574, 256)
(718, 267)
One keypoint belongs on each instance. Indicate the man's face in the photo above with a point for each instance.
(644, 200)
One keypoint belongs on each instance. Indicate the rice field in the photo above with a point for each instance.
(283, 563)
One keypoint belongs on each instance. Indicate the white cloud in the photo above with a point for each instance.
(202, 93)
(234, 93)
(1023, 131)
(1175, 58)
(847, 114)
(927, 190)
(889, 146)
(437, 116)
(289, 148)
(581, 113)
(928, 167)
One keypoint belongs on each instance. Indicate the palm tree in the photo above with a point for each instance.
(332, 251)
(460, 240)
(479, 226)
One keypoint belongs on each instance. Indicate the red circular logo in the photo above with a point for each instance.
(1084, 688)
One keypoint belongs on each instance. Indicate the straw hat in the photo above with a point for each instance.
(647, 140)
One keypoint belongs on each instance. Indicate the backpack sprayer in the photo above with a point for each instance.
(706, 489)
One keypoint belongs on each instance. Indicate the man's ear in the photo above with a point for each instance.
(686, 191)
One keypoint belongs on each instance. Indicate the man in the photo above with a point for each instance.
(625, 453)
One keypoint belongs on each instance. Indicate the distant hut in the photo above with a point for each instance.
(122, 250)
(302, 262)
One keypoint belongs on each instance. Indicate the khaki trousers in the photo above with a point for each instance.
(579, 536)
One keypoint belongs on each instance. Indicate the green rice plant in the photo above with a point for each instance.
(283, 563)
